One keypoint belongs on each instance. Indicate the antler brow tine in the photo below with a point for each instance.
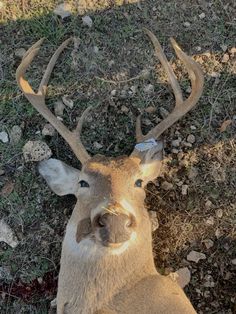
(38, 99)
(181, 106)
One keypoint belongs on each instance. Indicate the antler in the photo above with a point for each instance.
(181, 107)
(38, 99)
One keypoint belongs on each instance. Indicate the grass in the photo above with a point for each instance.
(115, 49)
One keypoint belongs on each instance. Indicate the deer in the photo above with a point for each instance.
(107, 263)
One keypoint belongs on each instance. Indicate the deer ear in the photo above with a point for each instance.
(150, 154)
(60, 177)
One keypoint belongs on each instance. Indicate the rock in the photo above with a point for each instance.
(97, 145)
(184, 189)
(2, 172)
(224, 47)
(175, 151)
(20, 52)
(150, 109)
(63, 10)
(124, 109)
(48, 130)
(7, 235)
(215, 74)
(191, 138)
(233, 261)
(15, 134)
(225, 58)
(193, 172)
(67, 101)
(113, 92)
(210, 221)
(187, 24)
(146, 122)
(219, 213)
(164, 113)
(186, 144)
(4, 137)
(202, 15)
(209, 282)
(154, 220)
(36, 151)
(148, 89)
(208, 204)
(166, 186)
(87, 21)
(53, 303)
(195, 256)
(208, 243)
(176, 143)
(192, 127)
(59, 108)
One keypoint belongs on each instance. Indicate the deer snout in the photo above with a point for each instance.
(114, 228)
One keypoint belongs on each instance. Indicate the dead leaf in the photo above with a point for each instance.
(7, 188)
(224, 125)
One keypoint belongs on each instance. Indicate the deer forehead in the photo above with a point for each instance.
(113, 169)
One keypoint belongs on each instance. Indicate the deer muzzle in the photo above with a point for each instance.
(114, 228)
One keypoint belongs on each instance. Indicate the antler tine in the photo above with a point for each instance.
(181, 107)
(38, 99)
(169, 71)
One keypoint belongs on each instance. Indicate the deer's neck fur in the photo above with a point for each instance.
(91, 276)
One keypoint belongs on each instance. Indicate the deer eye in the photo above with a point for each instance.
(139, 183)
(83, 184)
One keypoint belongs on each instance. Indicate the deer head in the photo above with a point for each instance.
(110, 191)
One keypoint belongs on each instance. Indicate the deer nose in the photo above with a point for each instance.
(114, 228)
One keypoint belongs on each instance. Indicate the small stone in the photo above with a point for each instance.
(175, 143)
(20, 52)
(63, 10)
(202, 15)
(67, 101)
(198, 48)
(59, 108)
(215, 74)
(40, 280)
(219, 213)
(48, 130)
(175, 151)
(208, 243)
(184, 189)
(5, 274)
(124, 109)
(15, 134)
(154, 220)
(97, 145)
(193, 172)
(4, 137)
(195, 256)
(148, 89)
(192, 127)
(186, 144)
(96, 49)
(233, 261)
(150, 109)
(191, 138)
(218, 233)
(146, 122)
(224, 47)
(113, 92)
(210, 221)
(189, 90)
(225, 58)
(167, 186)
(164, 113)
(208, 204)
(36, 151)
(2, 172)
(209, 283)
(187, 24)
(87, 21)
(7, 235)
(53, 303)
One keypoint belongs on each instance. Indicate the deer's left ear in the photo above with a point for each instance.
(150, 154)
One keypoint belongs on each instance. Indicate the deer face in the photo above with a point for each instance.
(110, 193)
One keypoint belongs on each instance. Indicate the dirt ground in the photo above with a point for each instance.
(113, 68)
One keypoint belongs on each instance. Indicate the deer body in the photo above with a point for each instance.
(107, 264)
